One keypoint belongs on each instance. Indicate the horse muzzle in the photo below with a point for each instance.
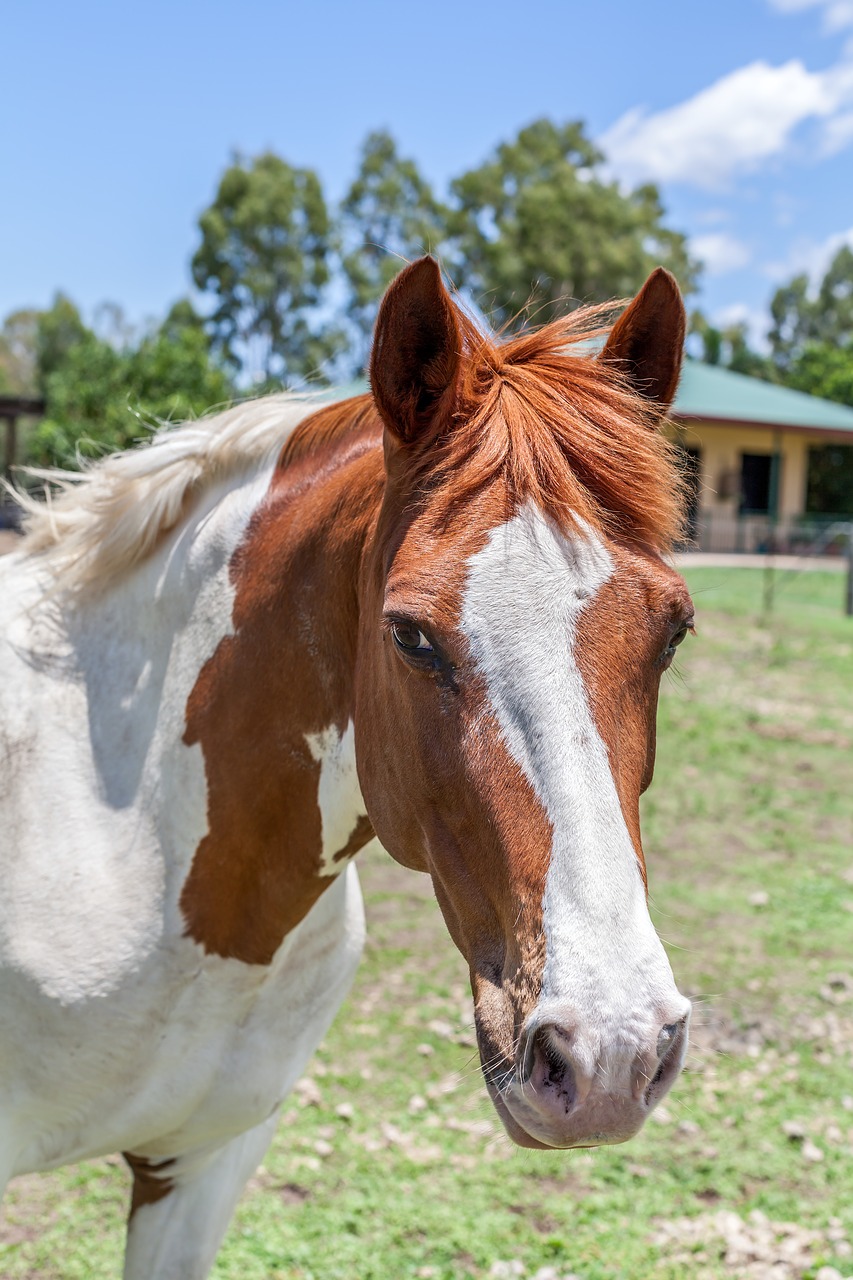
(570, 1088)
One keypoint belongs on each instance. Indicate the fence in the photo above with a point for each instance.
(763, 535)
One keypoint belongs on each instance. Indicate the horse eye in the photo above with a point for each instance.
(676, 640)
(410, 639)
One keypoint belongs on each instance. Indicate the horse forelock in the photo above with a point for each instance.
(543, 414)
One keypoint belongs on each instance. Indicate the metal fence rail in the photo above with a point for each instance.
(766, 535)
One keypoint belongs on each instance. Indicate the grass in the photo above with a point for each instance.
(389, 1161)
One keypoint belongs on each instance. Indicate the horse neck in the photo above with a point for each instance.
(272, 709)
(295, 576)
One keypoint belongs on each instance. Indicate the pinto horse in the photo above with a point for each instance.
(437, 613)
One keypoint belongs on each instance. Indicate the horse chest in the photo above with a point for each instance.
(197, 1050)
(239, 1036)
(124, 1032)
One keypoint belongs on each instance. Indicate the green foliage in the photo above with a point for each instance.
(801, 318)
(811, 341)
(824, 370)
(791, 312)
(730, 348)
(537, 228)
(58, 331)
(812, 333)
(101, 398)
(264, 256)
(389, 216)
(18, 340)
(538, 222)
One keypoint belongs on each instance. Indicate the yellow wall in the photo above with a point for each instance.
(721, 449)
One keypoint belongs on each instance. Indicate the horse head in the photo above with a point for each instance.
(516, 616)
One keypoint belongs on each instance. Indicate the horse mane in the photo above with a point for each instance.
(561, 427)
(544, 413)
(540, 409)
(96, 523)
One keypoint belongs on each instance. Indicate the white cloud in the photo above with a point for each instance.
(742, 121)
(810, 257)
(756, 319)
(720, 252)
(836, 14)
(714, 217)
(837, 134)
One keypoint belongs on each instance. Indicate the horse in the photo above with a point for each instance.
(437, 614)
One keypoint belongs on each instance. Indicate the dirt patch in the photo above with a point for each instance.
(31, 1204)
(808, 737)
(751, 1248)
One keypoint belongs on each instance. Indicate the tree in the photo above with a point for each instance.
(101, 397)
(729, 347)
(538, 227)
(58, 331)
(388, 217)
(823, 370)
(801, 317)
(264, 256)
(34, 343)
(812, 333)
(18, 353)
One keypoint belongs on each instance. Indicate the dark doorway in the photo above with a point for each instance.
(690, 461)
(755, 474)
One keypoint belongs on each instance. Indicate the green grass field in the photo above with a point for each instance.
(389, 1161)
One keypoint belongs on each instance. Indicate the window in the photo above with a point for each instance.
(755, 474)
(829, 489)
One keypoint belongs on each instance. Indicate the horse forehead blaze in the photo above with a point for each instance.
(540, 630)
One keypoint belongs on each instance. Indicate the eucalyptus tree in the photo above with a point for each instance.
(540, 227)
(265, 261)
(388, 217)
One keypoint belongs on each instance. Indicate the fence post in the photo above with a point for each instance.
(848, 606)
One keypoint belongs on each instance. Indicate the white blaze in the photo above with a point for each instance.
(604, 964)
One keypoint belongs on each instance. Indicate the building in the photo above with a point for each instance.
(771, 468)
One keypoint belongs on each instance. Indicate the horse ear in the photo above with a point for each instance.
(415, 357)
(647, 340)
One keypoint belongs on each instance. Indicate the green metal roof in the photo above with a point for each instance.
(717, 395)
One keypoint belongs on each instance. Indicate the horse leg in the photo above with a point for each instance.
(181, 1209)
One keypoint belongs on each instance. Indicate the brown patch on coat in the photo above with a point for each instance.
(361, 834)
(150, 1181)
(285, 672)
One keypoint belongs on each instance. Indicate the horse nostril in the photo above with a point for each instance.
(553, 1069)
(666, 1038)
(671, 1045)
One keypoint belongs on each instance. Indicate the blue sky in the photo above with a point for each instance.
(118, 119)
